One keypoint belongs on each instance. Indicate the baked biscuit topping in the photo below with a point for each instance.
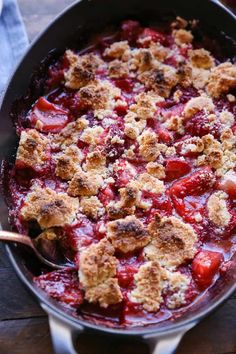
(33, 150)
(127, 234)
(49, 208)
(173, 241)
(127, 165)
(150, 282)
(97, 264)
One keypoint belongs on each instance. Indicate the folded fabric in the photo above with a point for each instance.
(13, 40)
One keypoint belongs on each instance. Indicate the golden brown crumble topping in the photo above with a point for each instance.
(217, 209)
(118, 69)
(98, 95)
(182, 36)
(97, 264)
(127, 234)
(173, 241)
(68, 162)
(227, 118)
(33, 148)
(142, 60)
(150, 183)
(149, 284)
(201, 58)
(95, 160)
(82, 70)
(149, 148)
(84, 184)
(118, 50)
(161, 79)
(91, 207)
(147, 119)
(133, 125)
(222, 79)
(70, 134)
(92, 136)
(178, 283)
(106, 293)
(49, 208)
(197, 104)
(156, 170)
(145, 106)
(126, 206)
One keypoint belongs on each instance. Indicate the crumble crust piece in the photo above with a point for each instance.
(149, 148)
(49, 208)
(145, 106)
(173, 241)
(96, 273)
(106, 293)
(197, 104)
(118, 50)
(161, 79)
(127, 234)
(156, 170)
(70, 134)
(217, 209)
(85, 184)
(91, 207)
(149, 283)
(201, 58)
(118, 69)
(222, 79)
(178, 284)
(133, 125)
(182, 36)
(68, 162)
(33, 148)
(97, 263)
(126, 206)
(82, 70)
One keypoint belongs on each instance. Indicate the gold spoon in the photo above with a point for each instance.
(9, 236)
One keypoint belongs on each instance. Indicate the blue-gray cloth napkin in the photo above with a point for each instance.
(13, 40)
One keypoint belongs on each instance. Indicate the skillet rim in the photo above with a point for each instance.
(81, 324)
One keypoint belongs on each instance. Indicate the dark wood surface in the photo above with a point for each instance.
(23, 324)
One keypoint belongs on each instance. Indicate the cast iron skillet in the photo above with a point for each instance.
(83, 17)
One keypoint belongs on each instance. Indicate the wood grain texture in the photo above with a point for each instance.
(24, 326)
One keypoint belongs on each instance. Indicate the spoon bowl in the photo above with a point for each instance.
(8, 236)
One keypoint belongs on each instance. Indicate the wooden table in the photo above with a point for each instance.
(24, 327)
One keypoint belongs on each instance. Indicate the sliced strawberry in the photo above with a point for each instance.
(228, 184)
(199, 125)
(190, 206)
(205, 266)
(130, 30)
(48, 117)
(125, 275)
(176, 168)
(160, 203)
(164, 135)
(106, 195)
(124, 174)
(154, 36)
(125, 84)
(195, 184)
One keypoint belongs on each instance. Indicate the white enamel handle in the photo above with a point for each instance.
(169, 343)
(64, 336)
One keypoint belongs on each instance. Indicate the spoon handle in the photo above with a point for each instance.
(14, 237)
(9, 236)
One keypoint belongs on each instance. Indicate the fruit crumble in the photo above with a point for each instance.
(126, 166)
